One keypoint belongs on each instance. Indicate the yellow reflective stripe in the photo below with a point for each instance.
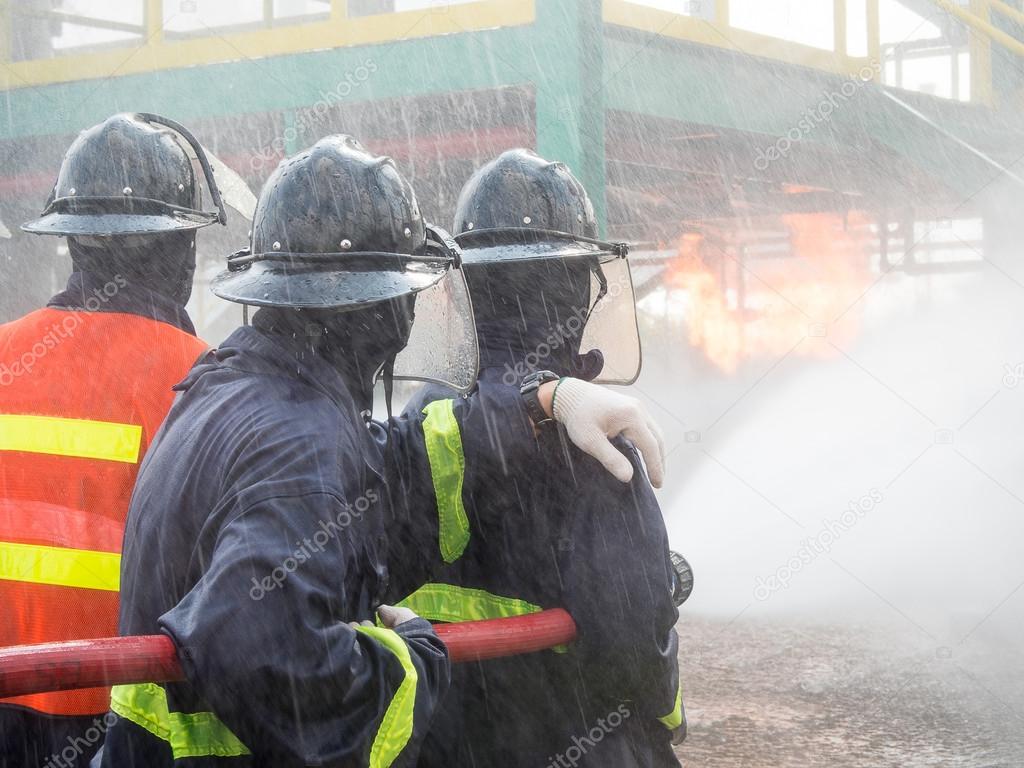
(674, 718)
(448, 471)
(196, 734)
(83, 568)
(81, 438)
(396, 725)
(446, 602)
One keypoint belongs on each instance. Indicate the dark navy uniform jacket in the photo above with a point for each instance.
(564, 533)
(260, 526)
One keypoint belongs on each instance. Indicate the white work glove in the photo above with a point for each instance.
(391, 616)
(592, 415)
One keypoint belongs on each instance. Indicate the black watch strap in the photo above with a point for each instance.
(529, 391)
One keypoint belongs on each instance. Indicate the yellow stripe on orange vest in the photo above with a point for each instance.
(82, 568)
(105, 440)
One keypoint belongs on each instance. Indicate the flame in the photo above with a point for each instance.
(765, 306)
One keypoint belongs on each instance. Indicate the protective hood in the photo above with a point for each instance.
(602, 329)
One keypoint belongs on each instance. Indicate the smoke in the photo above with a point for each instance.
(917, 411)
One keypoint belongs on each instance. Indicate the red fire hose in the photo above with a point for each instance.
(26, 669)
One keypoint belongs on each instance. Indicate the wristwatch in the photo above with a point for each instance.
(528, 390)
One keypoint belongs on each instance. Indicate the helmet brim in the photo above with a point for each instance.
(307, 286)
(490, 251)
(113, 224)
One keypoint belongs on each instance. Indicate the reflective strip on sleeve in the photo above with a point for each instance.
(196, 734)
(674, 718)
(79, 438)
(59, 566)
(396, 725)
(446, 602)
(448, 471)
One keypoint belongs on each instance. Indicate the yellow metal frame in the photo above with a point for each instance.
(979, 18)
(157, 53)
(720, 34)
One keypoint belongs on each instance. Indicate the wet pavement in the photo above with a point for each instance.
(773, 693)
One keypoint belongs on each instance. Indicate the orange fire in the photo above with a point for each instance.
(791, 285)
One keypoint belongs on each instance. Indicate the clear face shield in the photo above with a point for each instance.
(612, 326)
(610, 315)
(442, 347)
(442, 343)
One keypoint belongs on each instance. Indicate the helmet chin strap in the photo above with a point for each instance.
(390, 459)
(601, 293)
(388, 374)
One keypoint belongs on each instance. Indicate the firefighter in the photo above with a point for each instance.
(84, 384)
(542, 286)
(259, 536)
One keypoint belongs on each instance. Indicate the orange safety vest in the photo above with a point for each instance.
(81, 396)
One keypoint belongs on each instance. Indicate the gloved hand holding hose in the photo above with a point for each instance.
(391, 616)
(592, 415)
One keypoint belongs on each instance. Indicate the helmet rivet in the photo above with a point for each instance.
(579, 217)
(346, 244)
(249, 233)
(470, 225)
(127, 190)
(277, 245)
(527, 220)
(181, 187)
(72, 191)
(408, 232)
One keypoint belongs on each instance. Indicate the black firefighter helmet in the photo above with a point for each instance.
(338, 229)
(335, 227)
(130, 175)
(538, 271)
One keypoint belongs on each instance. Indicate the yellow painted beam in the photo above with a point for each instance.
(1008, 11)
(722, 13)
(874, 35)
(977, 19)
(160, 54)
(980, 49)
(839, 21)
(154, 20)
